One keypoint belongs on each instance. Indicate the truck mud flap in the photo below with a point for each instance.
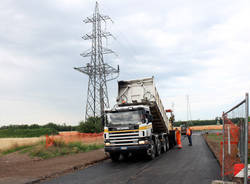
(172, 139)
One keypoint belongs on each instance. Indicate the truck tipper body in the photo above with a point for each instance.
(138, 122)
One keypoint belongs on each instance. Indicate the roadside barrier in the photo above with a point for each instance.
(74, 136)
(49, 141)
(234, 147)
(178, 139)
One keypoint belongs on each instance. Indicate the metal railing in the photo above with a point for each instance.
(235, 138)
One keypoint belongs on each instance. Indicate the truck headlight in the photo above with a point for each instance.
(107, 143)
(143, 142)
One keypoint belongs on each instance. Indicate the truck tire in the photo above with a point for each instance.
(164, 145)
(115, 156)
(158, 147)
(152, 151)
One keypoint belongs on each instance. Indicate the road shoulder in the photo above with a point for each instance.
(19, 169)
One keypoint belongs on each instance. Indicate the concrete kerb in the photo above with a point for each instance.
(222, 182)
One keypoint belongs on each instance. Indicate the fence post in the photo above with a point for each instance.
(223, 146)
(242, 125)
(246, 141)
(229, 142)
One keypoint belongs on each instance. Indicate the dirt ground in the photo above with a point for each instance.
(16, 168)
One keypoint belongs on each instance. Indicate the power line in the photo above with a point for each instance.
(123, 37)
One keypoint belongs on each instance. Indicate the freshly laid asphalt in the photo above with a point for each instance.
(191, 164)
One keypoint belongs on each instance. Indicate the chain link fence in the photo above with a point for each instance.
(234, 147)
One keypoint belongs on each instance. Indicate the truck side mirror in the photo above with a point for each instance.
(150, 118)
(143, 120)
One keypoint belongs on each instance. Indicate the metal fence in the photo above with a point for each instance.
(234, 147)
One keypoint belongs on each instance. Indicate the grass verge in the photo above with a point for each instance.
(214, 137)
(215, 140)
(60, 148)
(15, 148)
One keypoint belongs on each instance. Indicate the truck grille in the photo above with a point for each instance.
(124, 138)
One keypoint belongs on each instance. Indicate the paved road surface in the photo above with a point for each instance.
(192, 165)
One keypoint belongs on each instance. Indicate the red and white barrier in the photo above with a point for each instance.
(239, 170)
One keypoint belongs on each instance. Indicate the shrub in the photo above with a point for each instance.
(92, 125)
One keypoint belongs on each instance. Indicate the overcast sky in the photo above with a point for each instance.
(197, 48)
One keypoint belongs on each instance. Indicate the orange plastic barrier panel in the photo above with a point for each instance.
(74, 136)
(178, 139)
(49, 141)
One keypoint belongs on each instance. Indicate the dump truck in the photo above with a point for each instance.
(138, 122)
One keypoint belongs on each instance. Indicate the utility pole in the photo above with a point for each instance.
(189, 117)
(98, 71)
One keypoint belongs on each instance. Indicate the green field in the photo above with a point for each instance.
(21, 133)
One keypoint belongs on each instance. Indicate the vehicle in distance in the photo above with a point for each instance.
(183, 129)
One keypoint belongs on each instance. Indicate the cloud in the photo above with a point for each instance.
(196, 48)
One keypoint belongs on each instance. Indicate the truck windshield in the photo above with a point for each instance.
(127, 117)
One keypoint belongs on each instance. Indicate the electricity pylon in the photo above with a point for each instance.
(98, 71)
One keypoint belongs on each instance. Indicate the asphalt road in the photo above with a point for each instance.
(192, 165)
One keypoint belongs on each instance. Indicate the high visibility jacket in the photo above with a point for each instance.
(188, 131)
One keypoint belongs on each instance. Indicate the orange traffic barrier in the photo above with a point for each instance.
(49, 141)
(74, 136)
(178, 139)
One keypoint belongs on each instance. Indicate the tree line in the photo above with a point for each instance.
(50, 125)
(208, 122)
(92, 125)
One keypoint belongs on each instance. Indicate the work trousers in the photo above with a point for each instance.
(190, 140)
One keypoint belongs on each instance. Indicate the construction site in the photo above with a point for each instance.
(156, 108)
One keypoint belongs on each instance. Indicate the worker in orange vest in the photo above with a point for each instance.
(178, 138)
(189, 134)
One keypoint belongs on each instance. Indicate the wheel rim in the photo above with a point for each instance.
(152, 151)
(164, 146)
(159, 148)
(167, 144)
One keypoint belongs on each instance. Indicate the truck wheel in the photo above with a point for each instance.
(164, 146)
(151, 153)
(158, 147)
(114, 156)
